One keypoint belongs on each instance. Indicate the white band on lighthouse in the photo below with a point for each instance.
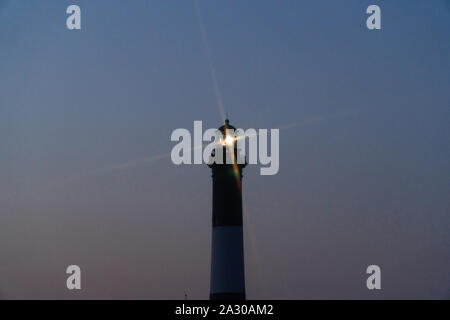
(227, 263)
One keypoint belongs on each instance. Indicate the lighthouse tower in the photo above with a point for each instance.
(227, 251)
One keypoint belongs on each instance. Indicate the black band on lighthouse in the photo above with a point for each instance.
(227, 196)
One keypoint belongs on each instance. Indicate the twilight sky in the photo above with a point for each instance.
(85, 124)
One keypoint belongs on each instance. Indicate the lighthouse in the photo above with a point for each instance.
(227, 245)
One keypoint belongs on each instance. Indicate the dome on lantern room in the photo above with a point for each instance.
(226, 126)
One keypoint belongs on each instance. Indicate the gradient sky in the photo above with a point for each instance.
(85, 124)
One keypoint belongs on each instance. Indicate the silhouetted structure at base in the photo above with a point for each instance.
(227, 250)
